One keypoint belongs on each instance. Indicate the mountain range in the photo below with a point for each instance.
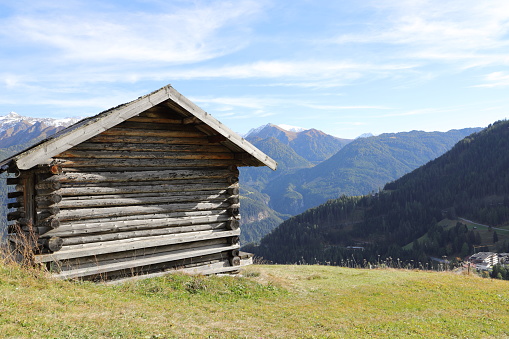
(421, 215)
(17, 131)
(315, 167)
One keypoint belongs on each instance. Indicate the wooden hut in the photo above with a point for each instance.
(140, 189)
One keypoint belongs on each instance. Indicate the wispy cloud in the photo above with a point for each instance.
(474, 32)
(83, 33)
(339, 107)
(495, 79)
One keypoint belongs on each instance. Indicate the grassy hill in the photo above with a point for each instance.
(269, 302)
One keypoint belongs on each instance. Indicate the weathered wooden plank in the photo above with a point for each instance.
(16, 215)
(152, 133)
(90, 213)
(219, 192)
(96, 249)
(104, 154)
(123, 146)
(48, 186)
(159, 215)
(179, 174)
(53, 244)
(48, 199)
(158, 187)
(156, 126)
(116, 257)
(104, 165)
(149, 216)
(159, 111)
(140, 200)
(157, 120)
(171, 226)
(148, 139)
(12, 195)
(141, 262)
(205, 268)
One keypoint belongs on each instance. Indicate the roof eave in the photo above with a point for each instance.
(90, 127)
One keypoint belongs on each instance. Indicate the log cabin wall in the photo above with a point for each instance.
(156, 192)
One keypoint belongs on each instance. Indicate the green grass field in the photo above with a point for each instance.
(269, 302)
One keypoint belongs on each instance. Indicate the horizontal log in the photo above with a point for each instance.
(234, 200)
(159, 111)
(126, 191)
(232, 179)
(88, 235)
(103, 154)
(118, 257)
(177, 255)
(47, 169)
(147, 217)
(51, 222)
(164, 194)
(90, 213)
(234, 211)
(137, 201)
(102, 238)
(15, 215)
(102, 165)
(233, 224)
(204, 182)
(12, 195)
(234, 240)
(52, 210)
(14, 204)
(48, 186)
(152, 133)
(48, 199)
(136, 243)
(92, 177)
(182, 224)
(14, 181)
(138, 125)
(235, 261)
(53, 244)
(147, 147)
(156, 120)
(233, 191)
(141, 139)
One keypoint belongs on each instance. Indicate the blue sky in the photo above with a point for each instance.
(345, 67)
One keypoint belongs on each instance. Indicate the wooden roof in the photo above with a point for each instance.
(85, 129)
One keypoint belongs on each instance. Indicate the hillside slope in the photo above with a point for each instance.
(471, 181)
(278, 301)
(362, 166)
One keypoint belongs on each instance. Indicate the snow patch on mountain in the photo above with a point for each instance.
(13, 118)
(288, 128)
(291, 128)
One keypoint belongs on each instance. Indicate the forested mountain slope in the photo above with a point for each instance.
(293, 151)
(471, 180)
(360, 167)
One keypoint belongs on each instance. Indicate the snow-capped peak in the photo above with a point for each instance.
(13, 118)
(255, 130)
(291, 128)
(288, 128)
(365, 135)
